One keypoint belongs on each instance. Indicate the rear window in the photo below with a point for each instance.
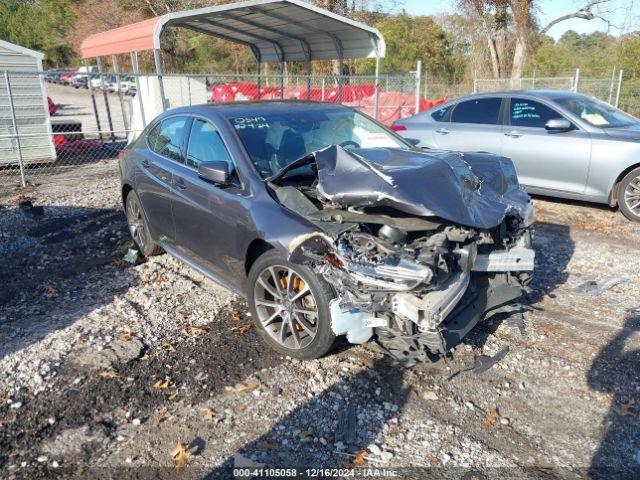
(483, 111)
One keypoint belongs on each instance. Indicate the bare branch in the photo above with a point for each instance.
(585, 13)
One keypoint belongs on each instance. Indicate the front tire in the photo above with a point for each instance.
(138, 227)
(289, 304)
(629, 195)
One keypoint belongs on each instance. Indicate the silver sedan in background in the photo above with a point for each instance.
(563, 144)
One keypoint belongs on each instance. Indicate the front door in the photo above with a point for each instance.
(546, 161)
(209, 217)
(474, 126)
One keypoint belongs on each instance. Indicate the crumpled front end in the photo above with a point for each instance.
(414, 280)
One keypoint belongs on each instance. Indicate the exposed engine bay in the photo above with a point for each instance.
(417, 246)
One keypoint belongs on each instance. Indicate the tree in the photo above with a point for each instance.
(510, 29)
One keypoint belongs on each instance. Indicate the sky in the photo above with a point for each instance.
(624, 15)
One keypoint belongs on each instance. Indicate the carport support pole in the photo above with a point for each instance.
(619, 88)
(282, 80)
(116, 69)
(418, 81)
(93, 100)
(577, 80)
(340, 72)
(158, 62)
(14, 123)
(259, 80)
(106, 99)
(376, 100)
(308, 79)
(136, 72)
(611, 84)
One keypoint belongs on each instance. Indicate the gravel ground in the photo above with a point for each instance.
(106, 367)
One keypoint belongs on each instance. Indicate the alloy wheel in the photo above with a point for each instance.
(632, 196)
(136, 223)
(286, 307)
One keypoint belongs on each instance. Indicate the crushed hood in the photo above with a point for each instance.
(471, 189)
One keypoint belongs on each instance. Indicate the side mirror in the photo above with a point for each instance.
(216, 172)
(558, 125)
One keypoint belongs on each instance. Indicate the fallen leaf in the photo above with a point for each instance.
(272, 447)
(306, 433)
(109, 374)
(145, 357)
(242, 328)
(160, 385)
(625, 408)
(246, 387)
(191, 330)
(168, 347)
(235, 317)
(492, 416)
(162, 415)
(180, 455)
(126, 336)
(358, 460)
(51, 290)
(210, 415)
(544, 330)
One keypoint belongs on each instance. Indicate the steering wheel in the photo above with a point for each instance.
(349, 143)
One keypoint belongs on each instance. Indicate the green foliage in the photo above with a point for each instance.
(410, 39)
(41, 26)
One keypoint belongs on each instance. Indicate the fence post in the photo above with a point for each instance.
(93, 100)
(116, 69)
(426, 84)
(323, 88)
(418, 78)
(136, 72)
(157, 60)
(14, 123)
(475, 85)
(576, 80)
(619, 88)
(106, 98)
(613, 79)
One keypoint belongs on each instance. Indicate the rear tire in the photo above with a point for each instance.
(278, 291)
(138, 226)
(629, 195)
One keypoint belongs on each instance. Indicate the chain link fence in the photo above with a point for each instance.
(60, 121)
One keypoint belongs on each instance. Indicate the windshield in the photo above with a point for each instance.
(274, 140)
(595, 112)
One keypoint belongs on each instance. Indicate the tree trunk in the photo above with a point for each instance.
(501, 37)
(519, 57)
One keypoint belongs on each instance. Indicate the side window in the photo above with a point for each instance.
(529, 113)
(439, 114)
(166, 138)
(484, 111)
(205, 145)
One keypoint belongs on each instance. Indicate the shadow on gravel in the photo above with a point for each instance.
(615, 371)
(554, 249)
(356, 418)
(56, 265)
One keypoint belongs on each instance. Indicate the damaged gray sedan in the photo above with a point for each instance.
(330, 224)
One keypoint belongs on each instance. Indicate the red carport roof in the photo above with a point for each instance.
(275, 30)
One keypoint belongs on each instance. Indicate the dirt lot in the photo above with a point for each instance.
(105, 367)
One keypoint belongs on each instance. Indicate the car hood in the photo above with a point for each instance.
(471, 189)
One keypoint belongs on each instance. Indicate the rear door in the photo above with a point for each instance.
(208, 216)
(474, 125)
(546, 161)
(158, 154)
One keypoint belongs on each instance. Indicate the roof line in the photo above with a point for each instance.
(21, 49)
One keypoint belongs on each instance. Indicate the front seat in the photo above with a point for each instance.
(291, 147)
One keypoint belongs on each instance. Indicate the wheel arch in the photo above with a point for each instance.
(126, 188)
(256, 248)
(613, 195)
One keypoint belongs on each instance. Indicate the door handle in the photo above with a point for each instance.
(513, 134)
(145, 163)
(442, 131)
(179, 183)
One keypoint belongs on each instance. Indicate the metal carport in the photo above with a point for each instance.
(274, 30)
